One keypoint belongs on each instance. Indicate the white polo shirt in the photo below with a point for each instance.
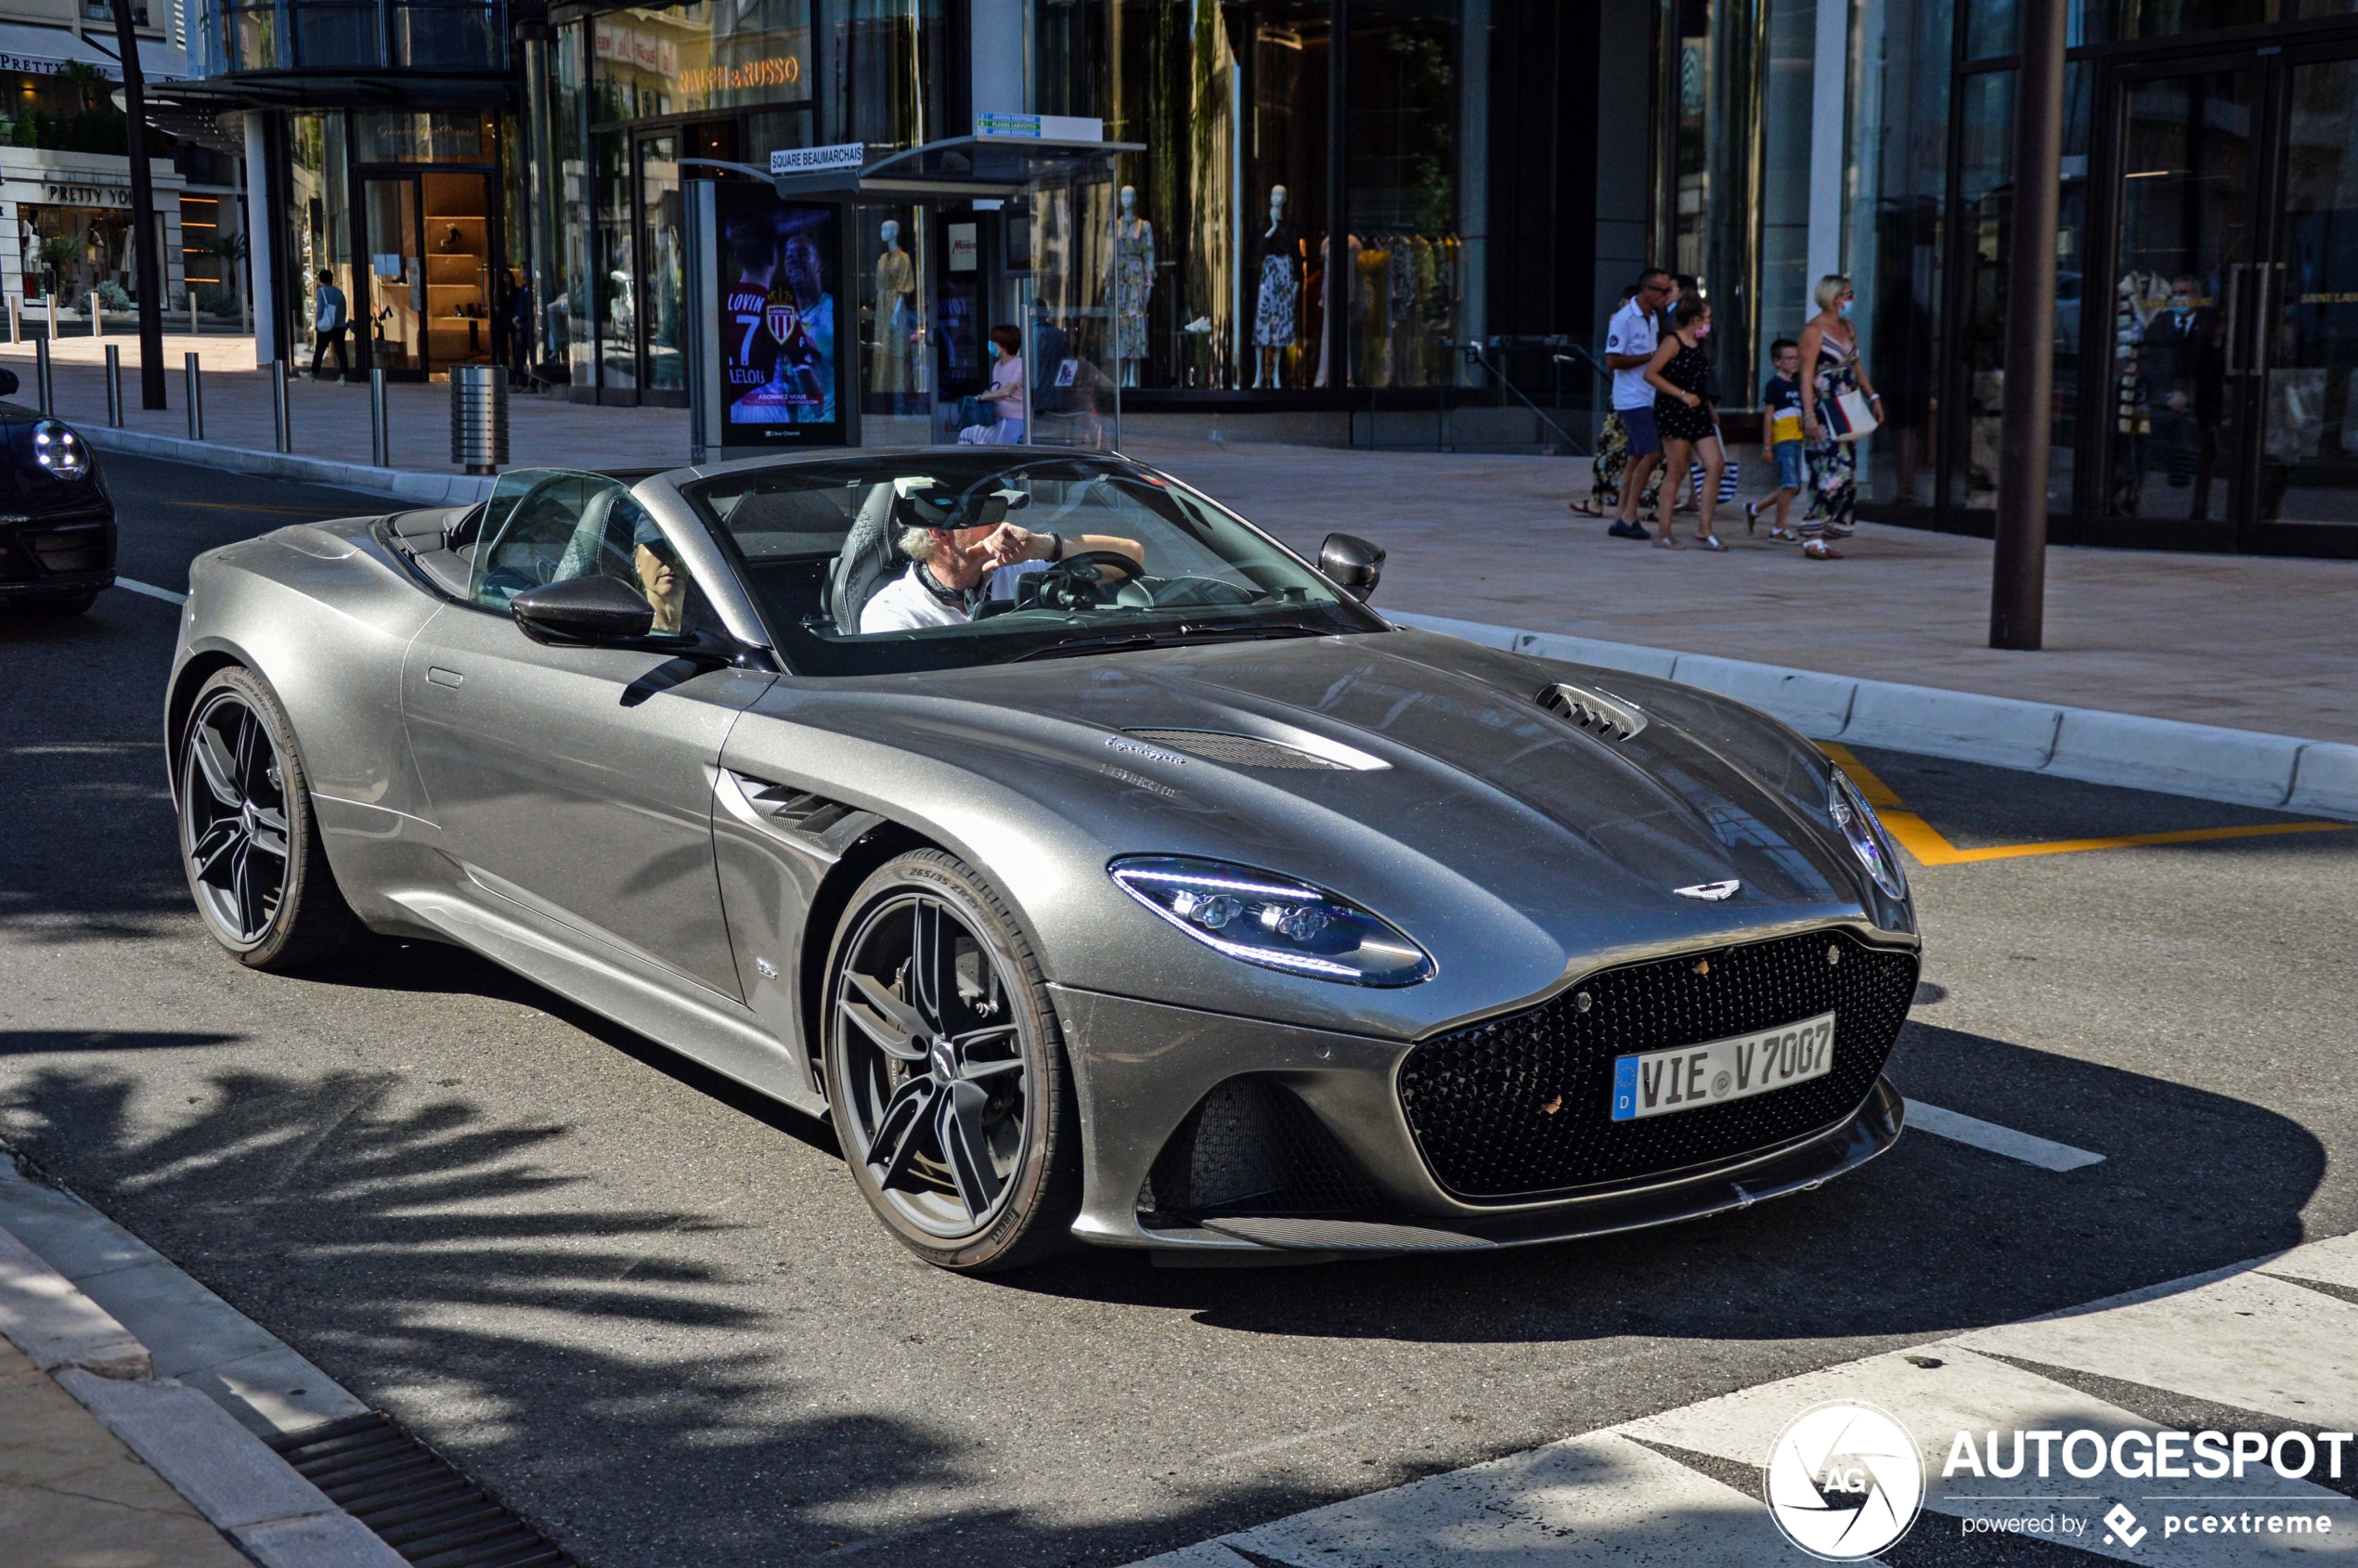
(1631, 331)
(906, 604)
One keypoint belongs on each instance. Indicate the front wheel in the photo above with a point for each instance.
(249, 840)
(946, 1071)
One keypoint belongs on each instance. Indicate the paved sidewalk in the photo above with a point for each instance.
(2245, 642)
(71, 1496)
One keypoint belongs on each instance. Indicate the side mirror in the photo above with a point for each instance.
(595, 610)
(1352, 563)
(9, 383)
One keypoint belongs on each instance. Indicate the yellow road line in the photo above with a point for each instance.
(1927, 844)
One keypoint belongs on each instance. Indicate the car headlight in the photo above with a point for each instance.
(59, 450)
(1273, 921)
(1868, 841)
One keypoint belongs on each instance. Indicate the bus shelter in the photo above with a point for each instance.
(845, 300)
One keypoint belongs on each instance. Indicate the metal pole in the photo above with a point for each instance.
(281, 417)
(16, 319)
(380, 453)
(114, 386)
(43, 389)
(2018, 589)
(51, 300)
(192, 313)
(196, 397)
(98, 316)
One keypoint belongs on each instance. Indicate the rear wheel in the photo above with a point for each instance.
(946, 1072)
(249, 840)
(57, 603)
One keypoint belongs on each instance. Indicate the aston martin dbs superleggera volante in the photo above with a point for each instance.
(1098, 867)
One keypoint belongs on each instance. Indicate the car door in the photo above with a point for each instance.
(575, 783)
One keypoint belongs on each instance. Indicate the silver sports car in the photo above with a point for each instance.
(1098, 867)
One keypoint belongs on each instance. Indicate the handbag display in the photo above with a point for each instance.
(1850, 417)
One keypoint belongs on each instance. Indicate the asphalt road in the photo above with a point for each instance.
(654, 1316)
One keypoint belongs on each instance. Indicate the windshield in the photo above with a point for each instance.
(1022, 557)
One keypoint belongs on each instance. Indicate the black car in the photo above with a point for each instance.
(56, 520)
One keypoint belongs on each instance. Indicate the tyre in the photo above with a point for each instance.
(946, 1072)
(249, 840)
(57, 603)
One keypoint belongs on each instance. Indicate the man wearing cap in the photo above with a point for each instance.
(955, 569)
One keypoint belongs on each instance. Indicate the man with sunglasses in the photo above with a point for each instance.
(962, 552)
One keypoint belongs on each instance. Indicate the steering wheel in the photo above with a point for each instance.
(1080, 582)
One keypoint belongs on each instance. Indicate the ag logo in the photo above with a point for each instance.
(1845, 1481)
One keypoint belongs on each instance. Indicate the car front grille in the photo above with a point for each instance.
(80, 547)
(1520, 1107)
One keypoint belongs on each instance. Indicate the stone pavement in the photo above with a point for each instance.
(2243, 641)
(71, 1496)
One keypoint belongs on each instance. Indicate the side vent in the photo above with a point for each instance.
(814, 821)
(1236, 751)
(1605, 717)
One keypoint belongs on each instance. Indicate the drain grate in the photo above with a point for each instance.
(418, 1502)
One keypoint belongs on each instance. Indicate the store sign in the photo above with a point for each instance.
(964, 250)
(781, 365)
(1039, 127)
(809, 160)
(626, 46)
(86, 195)
(739, 76)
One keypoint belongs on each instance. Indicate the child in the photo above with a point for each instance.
(1781, 437)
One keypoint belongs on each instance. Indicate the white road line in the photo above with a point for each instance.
(2045, 1153)
(152, 591)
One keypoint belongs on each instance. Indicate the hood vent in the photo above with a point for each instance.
(1236, 751)
(798, 808)
(1607, 718)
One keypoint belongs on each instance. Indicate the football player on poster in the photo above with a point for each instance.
(787, 337)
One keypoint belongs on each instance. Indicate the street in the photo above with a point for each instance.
(651, 1312)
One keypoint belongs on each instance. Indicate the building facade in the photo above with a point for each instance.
(1334, 198)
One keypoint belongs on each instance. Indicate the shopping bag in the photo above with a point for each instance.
(1850, 417)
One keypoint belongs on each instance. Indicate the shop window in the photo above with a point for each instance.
(893, 291)
(1407, 260)
(689, 59)
(329, 36)
(889, 63)
(449, 37)
(319, 219)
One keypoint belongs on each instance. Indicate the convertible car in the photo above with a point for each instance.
(1100, 869)
(57, 524)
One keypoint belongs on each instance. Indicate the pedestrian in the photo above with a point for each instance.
(1829, 352)
(330, 316)
(1712, 396)
(1612, 456)
(1632, 338)
(1781, 439)
(1683, 418)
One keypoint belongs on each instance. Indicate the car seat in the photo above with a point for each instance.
(868, 560)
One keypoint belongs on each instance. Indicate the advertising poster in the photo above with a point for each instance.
(781, 365)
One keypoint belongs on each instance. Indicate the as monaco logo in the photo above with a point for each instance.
(1845, 1481)
(780, 319)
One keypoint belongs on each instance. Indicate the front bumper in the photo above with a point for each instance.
(1158, 1083)
(71, 552)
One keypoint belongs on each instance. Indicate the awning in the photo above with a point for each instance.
(38, 51)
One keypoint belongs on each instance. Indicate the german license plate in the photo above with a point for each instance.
(1658, 1082)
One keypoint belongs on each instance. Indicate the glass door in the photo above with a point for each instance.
(2186, 262)
(457, 217)
(2305, 310)
(662, 268)
(394, 319)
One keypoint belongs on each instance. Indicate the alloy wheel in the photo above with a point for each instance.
(931, 1064)
(233, 819)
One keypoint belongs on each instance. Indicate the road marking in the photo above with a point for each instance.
(1927, 844)
(152, 591)
(2031, 1149)
(2240, 1336)
(1272, 1446)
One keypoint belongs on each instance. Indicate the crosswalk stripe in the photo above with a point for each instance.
(2247, 1337)
(2029, 1148)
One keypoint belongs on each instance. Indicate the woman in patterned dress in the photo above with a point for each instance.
(1830, 346)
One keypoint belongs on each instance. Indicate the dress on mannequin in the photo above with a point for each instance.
(1275, 323)
(1134, 279)
(896, 286)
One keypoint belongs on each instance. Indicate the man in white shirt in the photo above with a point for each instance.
(1630, 339)
(955, 571)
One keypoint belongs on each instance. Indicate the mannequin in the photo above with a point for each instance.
(1273, 325)
(1131, 274)
(895, 317)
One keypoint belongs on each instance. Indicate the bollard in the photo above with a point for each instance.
(51, 297)
(114, 386)
(43, 390)
(479, 417)
(379, 448)
(196, 397)
(98, 316)
(192, 313)
(281, 416)
(16, 319)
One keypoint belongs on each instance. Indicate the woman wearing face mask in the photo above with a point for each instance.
(1683, 418)
(1004, 394)
(1832, 366)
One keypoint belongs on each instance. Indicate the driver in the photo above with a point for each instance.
(954, 570)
